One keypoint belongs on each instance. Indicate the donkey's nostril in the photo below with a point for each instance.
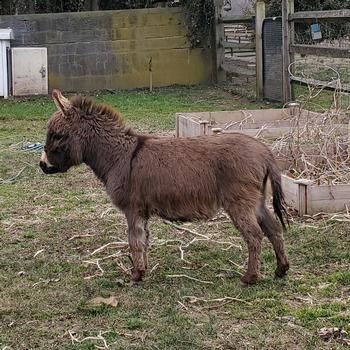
(42, 165)
(48, 169)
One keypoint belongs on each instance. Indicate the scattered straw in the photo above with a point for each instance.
(219, 301)
(190, 278)
(114, 244)
(81, 236)
(99, 338)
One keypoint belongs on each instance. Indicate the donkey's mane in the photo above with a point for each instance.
(102, 111)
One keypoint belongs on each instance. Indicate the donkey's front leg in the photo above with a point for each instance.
(138, 243)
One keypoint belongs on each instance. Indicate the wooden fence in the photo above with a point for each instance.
(239, 34)
(244, 34)
(290, 48)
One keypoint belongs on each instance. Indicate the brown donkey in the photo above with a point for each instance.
(176, 179)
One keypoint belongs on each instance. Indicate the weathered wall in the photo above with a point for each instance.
(112, 49)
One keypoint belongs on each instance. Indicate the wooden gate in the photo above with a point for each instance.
(239, 48)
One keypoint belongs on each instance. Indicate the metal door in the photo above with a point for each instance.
(29, 71)
(272, 58)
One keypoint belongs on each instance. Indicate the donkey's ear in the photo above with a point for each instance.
(62, 103)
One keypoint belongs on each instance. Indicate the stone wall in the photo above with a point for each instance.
(112, 49)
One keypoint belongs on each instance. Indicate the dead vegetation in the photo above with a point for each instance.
(316, 147)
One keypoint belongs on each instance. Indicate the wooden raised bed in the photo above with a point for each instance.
(305, 196)
(269, 123)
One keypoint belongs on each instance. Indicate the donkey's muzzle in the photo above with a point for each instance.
(48, 169)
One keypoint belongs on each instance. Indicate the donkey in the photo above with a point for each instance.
(174, 178)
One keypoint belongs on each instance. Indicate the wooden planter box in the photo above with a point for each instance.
(267, 123)
(304, 195)
(308, 198)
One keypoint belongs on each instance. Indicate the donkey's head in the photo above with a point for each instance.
(63, 147)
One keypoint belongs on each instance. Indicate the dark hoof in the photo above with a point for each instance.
(249, 279)
(281, 271)
(137, 275)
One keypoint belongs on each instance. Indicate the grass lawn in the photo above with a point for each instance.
(46, 287)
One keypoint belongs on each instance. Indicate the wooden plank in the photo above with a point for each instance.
(275, 120)
(287, 9)
(327, 192)
(219, 35)
(291, 29)
(270, 132)
(291, 191)
(304, 197)
(257, 115)
(236, 19)
(246, 54)
(335, 52)
(239, 46)
(323, 84)
(341, 129)
(302, 200)
(187, 127)
(197, 116)
(330, 206)
(259, 20)
(237, 52)
(330, 198)
(298, 194)
(238, 41)
(239, 35)
(315, 15)
(177, 121)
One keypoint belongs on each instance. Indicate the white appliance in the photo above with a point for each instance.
(5, 36)
(29, 71)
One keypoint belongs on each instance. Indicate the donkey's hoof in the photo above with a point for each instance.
(248, 279)
(137, 275)
(281, 271)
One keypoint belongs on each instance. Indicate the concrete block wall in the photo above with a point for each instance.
(112, 49)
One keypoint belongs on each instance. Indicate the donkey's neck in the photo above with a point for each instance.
(110, 154)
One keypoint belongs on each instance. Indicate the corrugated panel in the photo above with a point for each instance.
(272, 46)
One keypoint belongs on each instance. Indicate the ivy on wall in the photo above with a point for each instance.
(200, 16)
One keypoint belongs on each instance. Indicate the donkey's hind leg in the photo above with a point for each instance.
(145, 254)
(243, 217)
(273, 232)
(138, 243)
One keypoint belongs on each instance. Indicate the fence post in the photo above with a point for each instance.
(219, 36)
(287, 38)
(304, 196)
(259, 21)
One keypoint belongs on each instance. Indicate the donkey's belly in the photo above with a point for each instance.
(186, 214)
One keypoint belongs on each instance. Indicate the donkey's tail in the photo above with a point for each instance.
(278, 201)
